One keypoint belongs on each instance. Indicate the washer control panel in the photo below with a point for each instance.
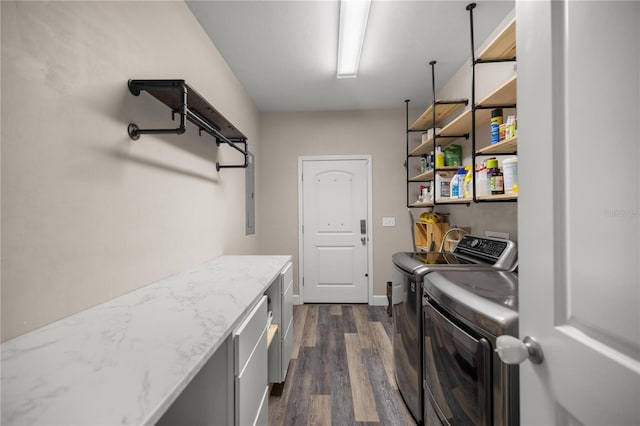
(494, 251)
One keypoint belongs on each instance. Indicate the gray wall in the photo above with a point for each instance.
(87, 214)
(286, 136)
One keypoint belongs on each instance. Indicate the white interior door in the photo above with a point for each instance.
(579, 211)
(335, 230)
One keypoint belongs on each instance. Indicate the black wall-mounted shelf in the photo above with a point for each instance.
(190, 105)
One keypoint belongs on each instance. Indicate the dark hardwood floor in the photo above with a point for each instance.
(341, 372)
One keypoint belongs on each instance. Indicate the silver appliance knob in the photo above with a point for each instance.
(475, 242)
(513, 351)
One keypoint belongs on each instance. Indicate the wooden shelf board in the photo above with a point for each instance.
(423, 177)
(458, 126)
(448, 169)
(509, 196)
(455, 200)
(507, 146)
(424, 148)
(169, 92)
(503, 46)
(271, 333)
(425, 121)
(504, 95)
(427, 204)
(427, 147)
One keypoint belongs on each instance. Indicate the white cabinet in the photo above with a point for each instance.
(208, 398)
(250, 359)
(280, 296)
(233, 386)
(287, 320)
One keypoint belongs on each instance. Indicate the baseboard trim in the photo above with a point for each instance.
(377, 300)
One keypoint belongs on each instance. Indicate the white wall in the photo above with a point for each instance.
(286, 136)
(88, 214)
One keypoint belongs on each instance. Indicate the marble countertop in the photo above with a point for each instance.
(125, 361)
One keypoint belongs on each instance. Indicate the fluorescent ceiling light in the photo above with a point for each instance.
(353, 24)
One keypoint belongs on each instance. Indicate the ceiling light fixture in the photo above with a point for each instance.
(353, 24)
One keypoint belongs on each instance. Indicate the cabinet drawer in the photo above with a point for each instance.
(287, 297)
(287, 348)
(263, 414)
(246, 336)
(287, 277)
(251, 383)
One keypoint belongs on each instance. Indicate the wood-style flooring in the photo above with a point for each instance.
(341, 372)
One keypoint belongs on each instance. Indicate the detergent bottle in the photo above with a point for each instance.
(457, 183)
(467, 186)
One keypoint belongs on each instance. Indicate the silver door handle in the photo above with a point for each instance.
(364, 240)
(513, 351)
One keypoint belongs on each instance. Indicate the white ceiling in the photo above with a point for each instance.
(284, 52)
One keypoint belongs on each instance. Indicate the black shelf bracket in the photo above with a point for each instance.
(186, 102)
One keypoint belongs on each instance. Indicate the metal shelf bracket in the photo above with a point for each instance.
(186, 102)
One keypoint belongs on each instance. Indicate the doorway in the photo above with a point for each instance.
(334, 215)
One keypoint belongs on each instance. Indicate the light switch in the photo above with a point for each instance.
(388, 221)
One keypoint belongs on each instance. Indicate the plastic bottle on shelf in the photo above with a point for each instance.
(426, 194)
(510, 131)
(455, 187)
(496, 121)
(457, 182)
(510, 167)
(495, 179)
(481, 182)
(467, 186)
(423, 164)
(439, 157)
(443, 186)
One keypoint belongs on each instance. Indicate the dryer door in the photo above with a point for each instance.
(457, 372)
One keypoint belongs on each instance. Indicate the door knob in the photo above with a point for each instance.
(364, 240)
(513, 351)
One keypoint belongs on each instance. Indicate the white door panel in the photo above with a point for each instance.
(334, 256)
(336, 265)
(334, 191)
(578, 109)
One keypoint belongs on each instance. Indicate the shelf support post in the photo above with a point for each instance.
(470, 8)
(133, 129)
(406, 164)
